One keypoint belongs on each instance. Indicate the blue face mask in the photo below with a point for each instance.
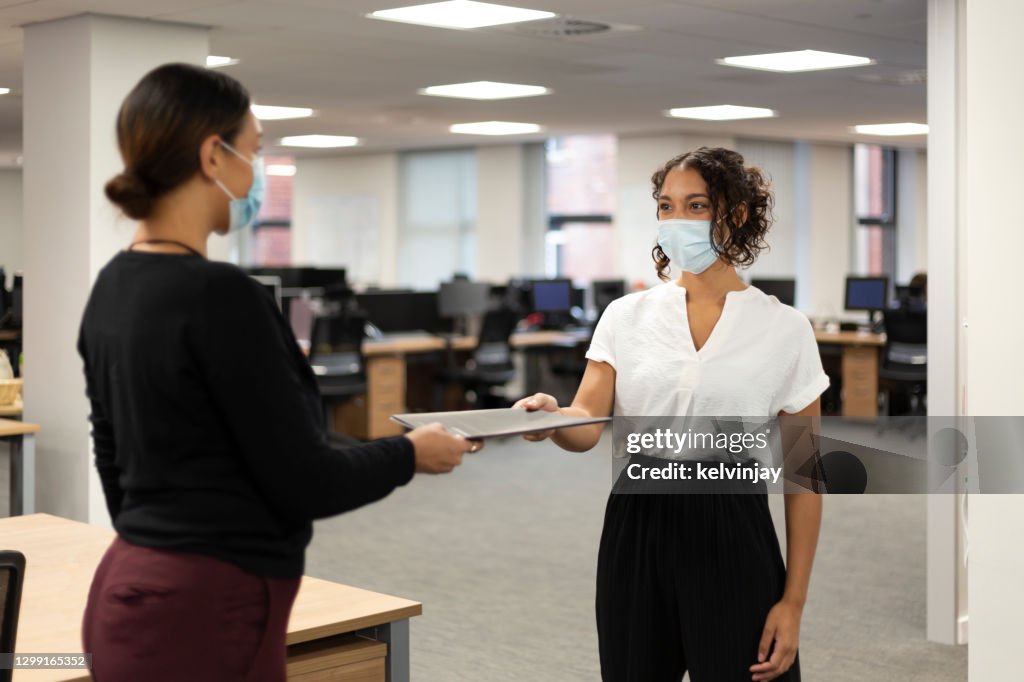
(244, 209)
(687, 243)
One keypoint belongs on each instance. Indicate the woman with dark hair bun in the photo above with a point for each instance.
(206, 419)
(690, 578)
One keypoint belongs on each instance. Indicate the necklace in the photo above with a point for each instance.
(165, 241)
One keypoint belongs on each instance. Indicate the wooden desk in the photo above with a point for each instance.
(860, 370)
(10, 335)
(21, 436)
(62, 555)
(369, 416)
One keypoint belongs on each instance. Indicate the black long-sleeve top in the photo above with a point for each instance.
(207, 423)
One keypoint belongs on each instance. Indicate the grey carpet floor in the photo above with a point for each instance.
(502, 554)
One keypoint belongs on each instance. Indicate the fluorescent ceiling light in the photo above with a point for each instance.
(460, 14)
(285, 170)
(801, 60)
(213, 61)
(4, 91)
(721, 112)
(319, 141)
(269, 113)
(892, 129)
(485, 90)
(494, 128)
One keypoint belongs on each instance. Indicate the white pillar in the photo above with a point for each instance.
(500, 212)
(990, 199)
(828, 202)
(946, 590)
(77, 71)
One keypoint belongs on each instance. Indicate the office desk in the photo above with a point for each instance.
(387, 369)
(21, 436)
(860, 353)
(369, 416)
(327, 631)
(10, 335)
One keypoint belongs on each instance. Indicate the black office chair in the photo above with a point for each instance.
(12, 577)
(336, 355)
(904, 367)
(491, 363)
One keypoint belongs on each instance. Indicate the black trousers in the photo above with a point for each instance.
(684, 583)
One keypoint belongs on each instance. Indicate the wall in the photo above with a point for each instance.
(777, 160)
(911, 213)
(827, 200)
(345, 212)
(501, 207)
(810, 239)
(989, 194)
(11, 241)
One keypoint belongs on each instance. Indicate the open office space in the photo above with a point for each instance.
(459, 212)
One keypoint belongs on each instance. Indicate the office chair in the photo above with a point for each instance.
(336, 355)
(491, 363)
(12, 577)
(905, 359)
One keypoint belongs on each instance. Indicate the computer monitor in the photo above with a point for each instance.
(782, 289)
(305, 277)
(605, 291)
(551, 295)
(322, 278)
(272, 284)
(578, 298)
(909, 296)
(867, 293)
(394, 311)
(463, 297)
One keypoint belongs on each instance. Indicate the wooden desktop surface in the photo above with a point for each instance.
(853, 338)
(62, 555)
(10, 427)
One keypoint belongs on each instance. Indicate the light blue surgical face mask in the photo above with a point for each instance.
(687, 243)
(244, 209)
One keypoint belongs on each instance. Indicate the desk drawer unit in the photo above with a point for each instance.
(370, 417)
(344, 658)
(860, 381)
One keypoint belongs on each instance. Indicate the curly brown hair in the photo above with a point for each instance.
(730, 184)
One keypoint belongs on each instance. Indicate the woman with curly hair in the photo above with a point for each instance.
(696, 582)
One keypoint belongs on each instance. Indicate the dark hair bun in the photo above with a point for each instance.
(130, 193)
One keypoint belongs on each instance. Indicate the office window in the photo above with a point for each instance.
(874, 193)
(581, 201)
(436, 217)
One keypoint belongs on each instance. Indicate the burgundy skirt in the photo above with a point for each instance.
(157, 614)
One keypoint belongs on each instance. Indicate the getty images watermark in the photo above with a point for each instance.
(700, 455)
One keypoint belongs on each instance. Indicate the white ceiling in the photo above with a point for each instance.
(362, 75)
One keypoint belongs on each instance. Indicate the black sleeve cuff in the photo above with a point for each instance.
(406, 456)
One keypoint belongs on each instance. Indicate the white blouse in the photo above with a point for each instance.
(761, 357)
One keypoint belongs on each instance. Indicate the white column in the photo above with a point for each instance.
(989, 201)
(500, 212)
(946, 245)
(827, 198)
(77, 71)
(10, 222)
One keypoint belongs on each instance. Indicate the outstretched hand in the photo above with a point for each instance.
(538, 401)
